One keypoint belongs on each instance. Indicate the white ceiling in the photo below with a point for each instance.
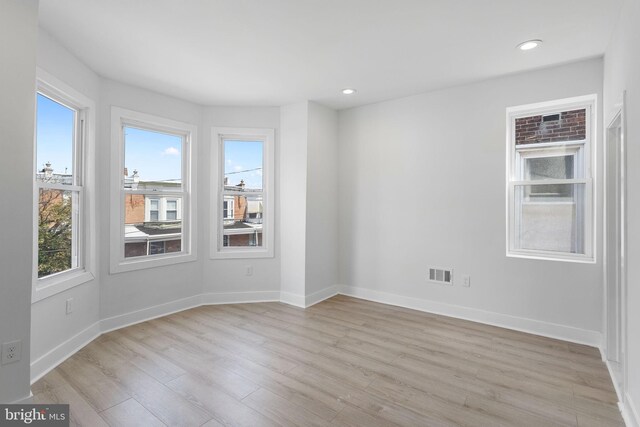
(275, 52)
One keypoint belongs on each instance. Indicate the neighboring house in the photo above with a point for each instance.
(153, 224)
(242, 216)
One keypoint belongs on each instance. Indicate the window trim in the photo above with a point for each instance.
(267, 135)
(121, 117)
(585, 148)
(53, 284)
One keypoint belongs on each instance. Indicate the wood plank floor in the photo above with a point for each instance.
(343, 362)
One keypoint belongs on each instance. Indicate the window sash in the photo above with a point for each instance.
(221, 235)
(223, 192)
(153, 194)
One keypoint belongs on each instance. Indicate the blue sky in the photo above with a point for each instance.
(156, 156)
(54, 135)
(243, 161)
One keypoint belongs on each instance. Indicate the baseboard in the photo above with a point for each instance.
(45, 363)
(123, 320)
(240, 297)
(292, 299)
(24, 401)
(320, 296)
(630, 413)
(551, 330)
(614, 380)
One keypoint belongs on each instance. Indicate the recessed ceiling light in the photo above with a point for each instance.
(529, 44)
(348, 91)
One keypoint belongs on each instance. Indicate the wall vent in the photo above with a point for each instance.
(441, 275)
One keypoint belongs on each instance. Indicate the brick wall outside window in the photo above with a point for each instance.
(570, 126)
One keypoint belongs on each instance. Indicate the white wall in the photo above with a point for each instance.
(50, 325)
(18, 38)
(621, 71)
(308, 203)
(322, 200)
(293, 200)
(123, 293)
(422, 183)
(228, 275)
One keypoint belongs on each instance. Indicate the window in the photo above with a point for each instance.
(62, 240)
(152, 225)
(243, 203)
(153, 209)
(172, 210)
(228, 209)
(550, 184)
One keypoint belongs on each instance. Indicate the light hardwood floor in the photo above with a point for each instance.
(344, 362)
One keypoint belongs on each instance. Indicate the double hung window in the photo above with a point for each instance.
(550, 184)
(63, 236)
(243, 199)
(152, 182)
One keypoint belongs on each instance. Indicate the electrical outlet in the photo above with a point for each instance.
(11, 351)
(70, 306)
(466, 281)
(248, 270)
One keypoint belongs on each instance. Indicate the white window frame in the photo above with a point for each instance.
(267, 136)
(84, 211)
(584, 173)
(120, 118)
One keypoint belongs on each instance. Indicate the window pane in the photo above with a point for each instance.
(244, 229)
(556, 167)
(243, 162)
(55, 231)
(55, 128)
(153, 160)
(562, 126)
(227, 207)
(550, 217)
(154, 232)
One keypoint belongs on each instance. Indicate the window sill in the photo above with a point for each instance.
(544, 256)
(150, 262)
(241, 254)
(50, 286)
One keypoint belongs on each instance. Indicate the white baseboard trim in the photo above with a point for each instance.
(320, 296)
(292, 299)
(45, 363)
(123, 320)
(24, 401)
(240, 297)
(614, 379)
(551, 330)
(630, 413)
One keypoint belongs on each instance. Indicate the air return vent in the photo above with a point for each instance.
(441, 275)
